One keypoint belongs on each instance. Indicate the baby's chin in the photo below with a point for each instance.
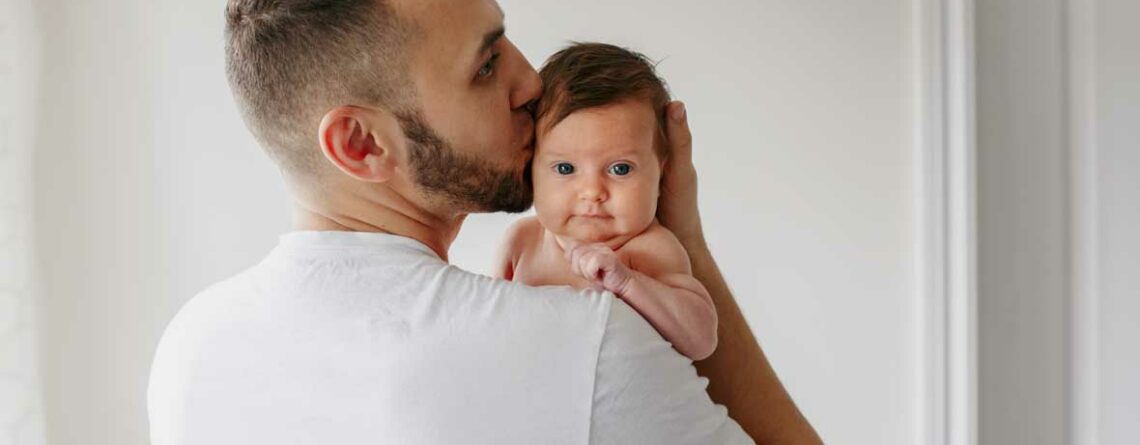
(592, 239)
(581, 235)
(611, 232)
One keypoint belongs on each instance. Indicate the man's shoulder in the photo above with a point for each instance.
(647, 392)
(547, 303)
(219, 298)
(203, 314)
(190, 334)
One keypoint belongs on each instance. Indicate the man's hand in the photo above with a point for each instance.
(740, 377)
(677, 206)
(599, 264)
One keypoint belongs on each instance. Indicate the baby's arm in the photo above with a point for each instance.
(659, 285)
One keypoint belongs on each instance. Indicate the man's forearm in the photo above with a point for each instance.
(740, 377)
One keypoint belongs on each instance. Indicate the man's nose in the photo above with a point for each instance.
(528, 88)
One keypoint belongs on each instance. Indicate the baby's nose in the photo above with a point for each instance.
(592, 191)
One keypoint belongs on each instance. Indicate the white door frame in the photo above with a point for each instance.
(945, 229)
(1084, 312)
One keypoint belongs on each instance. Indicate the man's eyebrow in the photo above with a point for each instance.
(491, 37)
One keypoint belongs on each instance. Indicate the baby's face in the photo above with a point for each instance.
(596, 174)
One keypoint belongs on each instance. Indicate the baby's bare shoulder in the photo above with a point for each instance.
(524, 234)
(517, 241)
(656, 237)
(656, 251)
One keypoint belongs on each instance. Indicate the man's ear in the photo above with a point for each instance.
(361, 142)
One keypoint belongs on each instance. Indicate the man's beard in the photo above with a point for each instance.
(467, 182)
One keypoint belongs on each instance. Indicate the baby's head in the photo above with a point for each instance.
(600, 143)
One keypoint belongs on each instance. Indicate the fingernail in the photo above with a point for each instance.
(678, 113)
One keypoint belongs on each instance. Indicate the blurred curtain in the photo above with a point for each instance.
(21, 413)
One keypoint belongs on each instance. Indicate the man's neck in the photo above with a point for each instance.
(389, 214)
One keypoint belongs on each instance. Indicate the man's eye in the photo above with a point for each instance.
(564, 168)
(488, 68)
(621, 169)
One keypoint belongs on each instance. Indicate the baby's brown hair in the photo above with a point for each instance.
(590, 75)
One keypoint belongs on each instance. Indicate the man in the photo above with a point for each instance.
(391, 120)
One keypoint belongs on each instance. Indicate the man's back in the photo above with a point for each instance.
(348, 338)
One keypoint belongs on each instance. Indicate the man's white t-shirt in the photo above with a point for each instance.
(364, 338)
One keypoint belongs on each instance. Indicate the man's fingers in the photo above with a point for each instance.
(680, 139)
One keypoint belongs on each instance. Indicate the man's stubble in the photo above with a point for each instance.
(466, 182)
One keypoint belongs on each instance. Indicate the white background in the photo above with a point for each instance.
(21, 413)
(147, 188)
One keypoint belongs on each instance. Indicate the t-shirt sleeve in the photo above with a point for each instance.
(646, 392)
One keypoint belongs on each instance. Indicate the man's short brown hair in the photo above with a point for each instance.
(590, 75)
(291, 61)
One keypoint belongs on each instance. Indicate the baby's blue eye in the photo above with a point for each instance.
(621, 169)
(564, 169)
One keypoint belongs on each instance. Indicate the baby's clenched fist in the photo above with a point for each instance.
(599, 264)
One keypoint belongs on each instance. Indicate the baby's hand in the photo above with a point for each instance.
(599, 264)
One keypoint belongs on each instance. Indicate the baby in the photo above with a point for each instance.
(599, 155)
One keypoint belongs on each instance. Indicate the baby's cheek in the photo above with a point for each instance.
(551, 212)
(646, 204)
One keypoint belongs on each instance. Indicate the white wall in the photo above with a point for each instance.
(1117, 218)
(149, 188)
(21, 411)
